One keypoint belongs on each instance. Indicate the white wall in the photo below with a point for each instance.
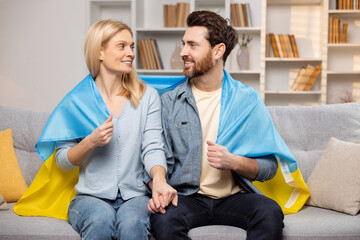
(41, 51)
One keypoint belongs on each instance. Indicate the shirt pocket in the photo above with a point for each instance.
(180, 134)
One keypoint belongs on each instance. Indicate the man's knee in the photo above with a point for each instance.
(171, 225)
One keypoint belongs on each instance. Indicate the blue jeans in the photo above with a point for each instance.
(260, 216)
(95, 218)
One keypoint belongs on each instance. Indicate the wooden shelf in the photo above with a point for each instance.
(306, 19)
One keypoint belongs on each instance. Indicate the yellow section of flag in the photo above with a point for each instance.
(50, 193)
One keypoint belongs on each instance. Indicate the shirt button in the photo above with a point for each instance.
(175, 126)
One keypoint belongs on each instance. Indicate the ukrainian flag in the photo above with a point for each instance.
(246, 129)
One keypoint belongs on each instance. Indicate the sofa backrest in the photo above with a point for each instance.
(26, 128)
(307, 129)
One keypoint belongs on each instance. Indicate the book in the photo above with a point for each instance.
(313, 77)
(330, 29)
(305, 77)
(344, 33)
(278, 44)
(248, 13)
(243, 6)
(234, 16)
(169, 15)
(147, 50)
(155, 54)
(283, 46)
(158, 53)
(186, 13)
(274, 45)
(293, 45)
(172, 15)
(297, 80)
(166, 17)
(142, 54)
(267, 45)
(178, 14)
(241, 15)
(288, 46)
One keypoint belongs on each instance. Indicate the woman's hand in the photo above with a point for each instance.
(99, 137)
(162, 195)
(103, 134)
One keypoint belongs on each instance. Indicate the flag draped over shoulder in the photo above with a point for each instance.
(76, 116)
(246, 129)
(80, 112)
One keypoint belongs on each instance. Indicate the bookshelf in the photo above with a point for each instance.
(272, 77)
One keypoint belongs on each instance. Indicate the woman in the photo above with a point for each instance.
(118, 158)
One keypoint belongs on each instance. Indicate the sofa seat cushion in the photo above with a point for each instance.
(318, 223)
(310, 223)
(15, 227)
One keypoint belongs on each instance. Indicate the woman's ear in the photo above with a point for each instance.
(101, 55)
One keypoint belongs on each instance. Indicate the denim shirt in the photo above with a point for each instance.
(183, 144)
(123, 164)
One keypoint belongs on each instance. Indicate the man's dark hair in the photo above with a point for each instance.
(218, 29)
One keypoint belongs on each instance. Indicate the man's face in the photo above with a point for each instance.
(197, 52)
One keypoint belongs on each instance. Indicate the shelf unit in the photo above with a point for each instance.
(271, 77)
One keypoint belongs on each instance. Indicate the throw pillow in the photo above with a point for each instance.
(3, 205)
(12, 183)
(335, 181)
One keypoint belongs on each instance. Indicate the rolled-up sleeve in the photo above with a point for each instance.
(267, 167)
(62, 148)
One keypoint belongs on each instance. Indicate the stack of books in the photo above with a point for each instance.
(305, 78)
(336, 34)
(347, 4)
(240, 14)
(149, 54)
(175, 15)
(283, 46)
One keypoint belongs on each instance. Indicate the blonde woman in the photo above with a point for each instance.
(122, 156)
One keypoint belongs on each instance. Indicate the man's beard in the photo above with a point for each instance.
(200, 67)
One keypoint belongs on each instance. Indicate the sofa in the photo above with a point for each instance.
(305, 129)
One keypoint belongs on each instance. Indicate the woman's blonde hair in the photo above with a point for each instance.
(97, 38)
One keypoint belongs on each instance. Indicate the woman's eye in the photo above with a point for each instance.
(121, 46)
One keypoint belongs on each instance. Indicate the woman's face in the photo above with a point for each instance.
(117, 57)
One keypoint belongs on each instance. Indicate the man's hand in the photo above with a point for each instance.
(219, 157)
(162, 193)
(103, 134)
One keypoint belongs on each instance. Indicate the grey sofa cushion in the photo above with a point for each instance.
(307, 129)
(34, 228)
(26, 127)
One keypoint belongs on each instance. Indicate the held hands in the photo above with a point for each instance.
(103, 134)
(219, 157)
(162, 195)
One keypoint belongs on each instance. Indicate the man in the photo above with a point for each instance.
(213, 181)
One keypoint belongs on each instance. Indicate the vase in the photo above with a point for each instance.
(242, 58)
(176, 61)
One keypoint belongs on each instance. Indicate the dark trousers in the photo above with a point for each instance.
(260, 216)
